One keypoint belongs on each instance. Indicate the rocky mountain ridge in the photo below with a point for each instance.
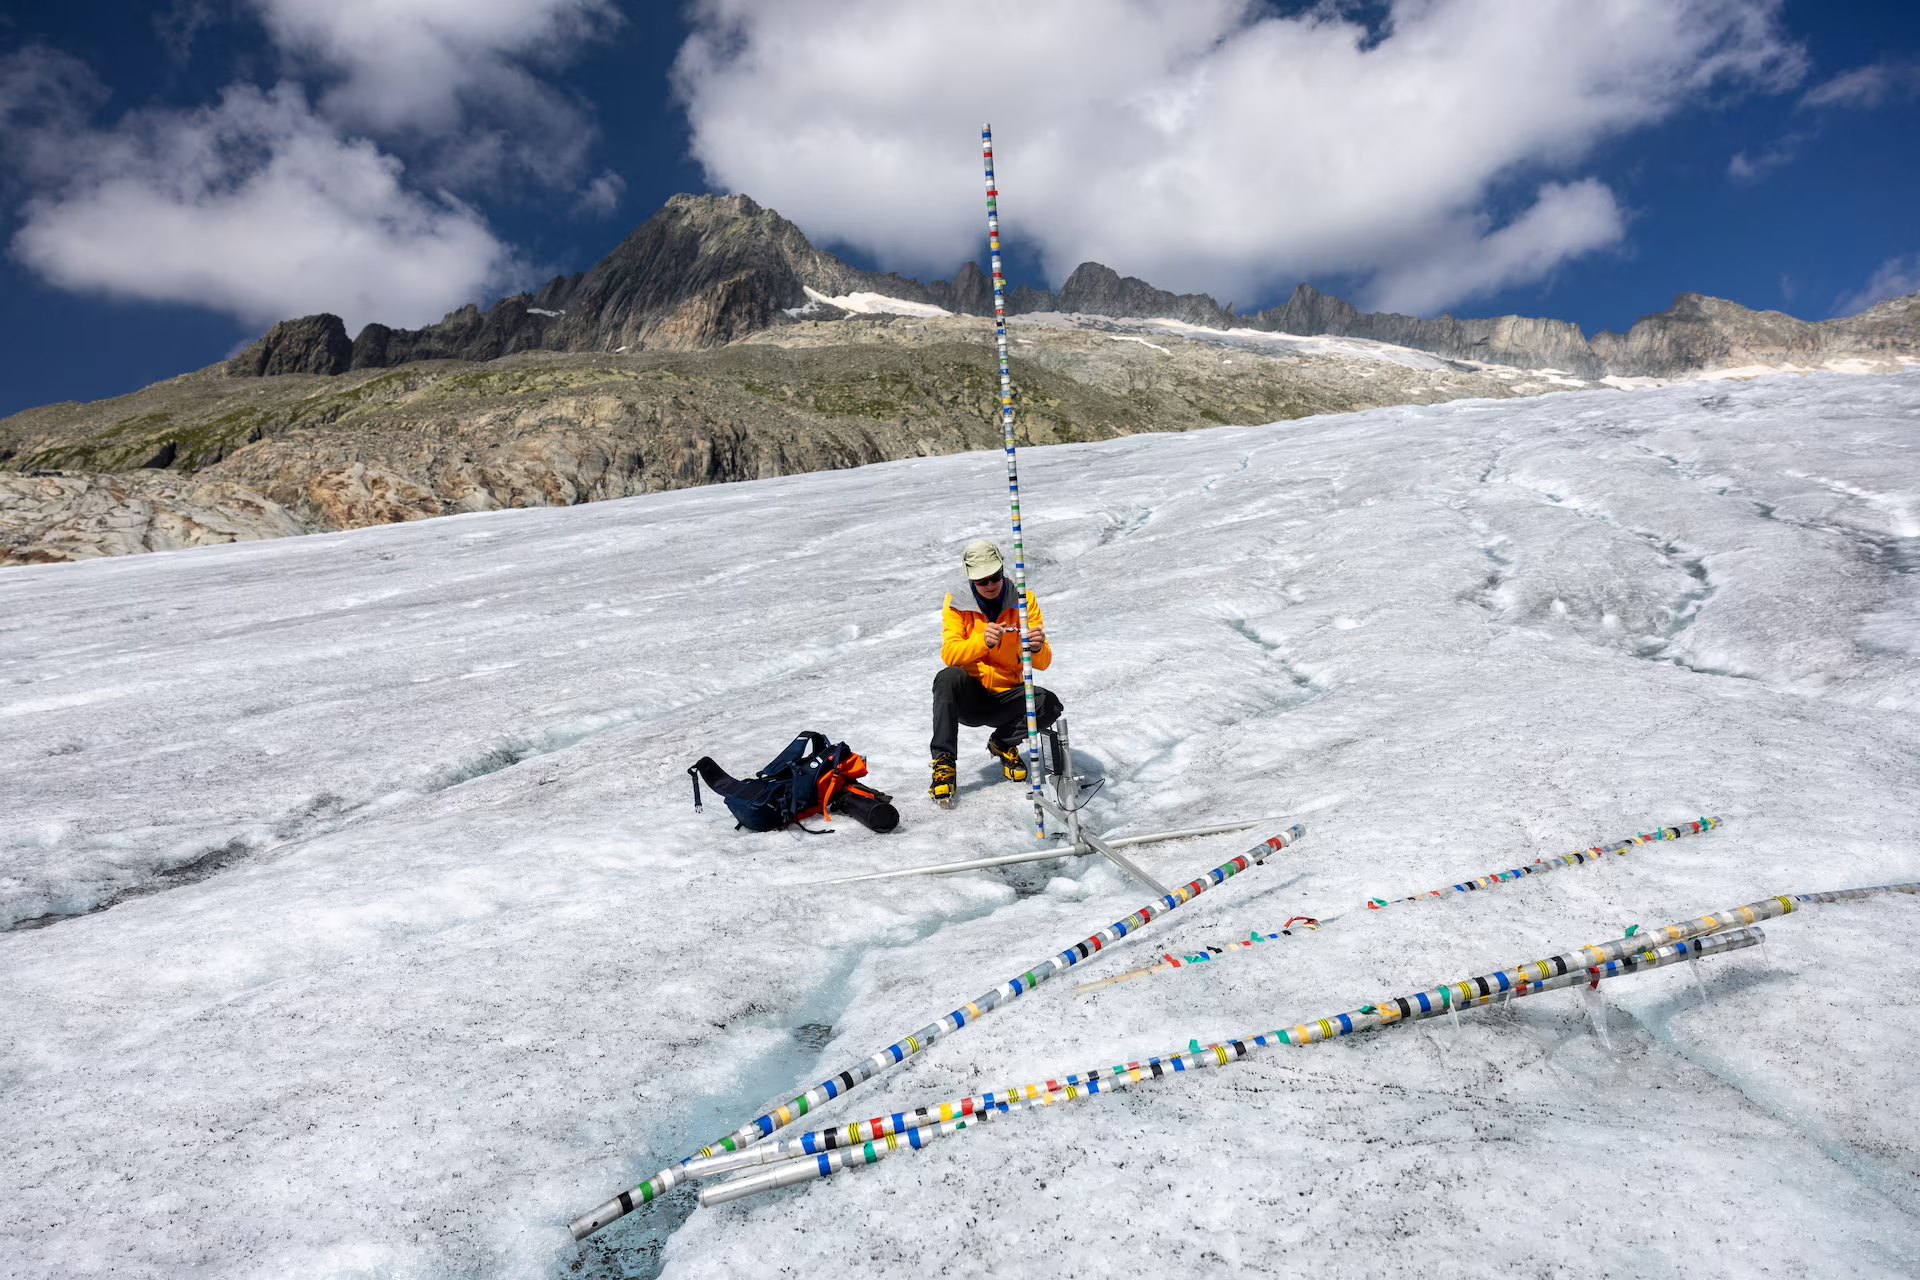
(717, 344)
(708, 270)
(209, 457)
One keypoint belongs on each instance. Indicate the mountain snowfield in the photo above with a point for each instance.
(417, 949)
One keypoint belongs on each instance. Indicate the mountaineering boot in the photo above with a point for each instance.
(941, 792)
(1008, 754)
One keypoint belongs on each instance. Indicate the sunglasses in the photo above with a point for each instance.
(994, 581)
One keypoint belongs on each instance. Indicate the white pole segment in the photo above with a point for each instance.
(1011, 859)
(1157, 836)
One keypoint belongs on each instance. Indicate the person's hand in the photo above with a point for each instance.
(1036, 636)
(992, 634)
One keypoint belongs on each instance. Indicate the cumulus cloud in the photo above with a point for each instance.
(1210, 144)
(1895, 278)
(255, 206)
(270, 203)
(1874, 85)
(454, 72)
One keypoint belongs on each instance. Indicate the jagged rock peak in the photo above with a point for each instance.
(1096, 289)
(311, 344)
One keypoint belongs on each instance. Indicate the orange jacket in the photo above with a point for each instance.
(963, 642)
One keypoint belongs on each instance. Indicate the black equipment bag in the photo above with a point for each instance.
(866, 806)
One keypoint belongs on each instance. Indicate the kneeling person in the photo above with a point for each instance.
(981, 683)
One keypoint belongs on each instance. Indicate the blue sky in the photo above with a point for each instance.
(174, 177)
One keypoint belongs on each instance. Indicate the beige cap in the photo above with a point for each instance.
(982, 559)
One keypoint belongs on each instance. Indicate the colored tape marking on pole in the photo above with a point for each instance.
(1188, 959)
(1168, 960)
(914, 1130)
(1541, 866)
(899, 1051)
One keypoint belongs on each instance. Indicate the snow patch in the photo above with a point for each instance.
(874, 304)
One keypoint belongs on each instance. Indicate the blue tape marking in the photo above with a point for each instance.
(826, 1165)
(1424, 1006)
(1346, 1023)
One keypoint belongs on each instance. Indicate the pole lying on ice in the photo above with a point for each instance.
(828, 1151)
(1013, 480)
(1424, 1003)
(1187, 959)
(1537, 867)
(1008, 860)
(1722, 931)
(1540, 866)
(900, 1050)
(977, 864)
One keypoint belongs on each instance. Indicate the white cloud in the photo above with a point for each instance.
(256, 207)
(601, 196)
(263, 206)
(1751, 168)
(45, 97)
(451, 70)
(1896, 278)
(1564, 221)
(1874, 85)
(1208, 144)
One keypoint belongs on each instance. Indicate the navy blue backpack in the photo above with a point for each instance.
(798, 783)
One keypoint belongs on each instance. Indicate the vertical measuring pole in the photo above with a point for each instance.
(1013, 482)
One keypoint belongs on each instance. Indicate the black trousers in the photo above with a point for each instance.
(960, 699)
